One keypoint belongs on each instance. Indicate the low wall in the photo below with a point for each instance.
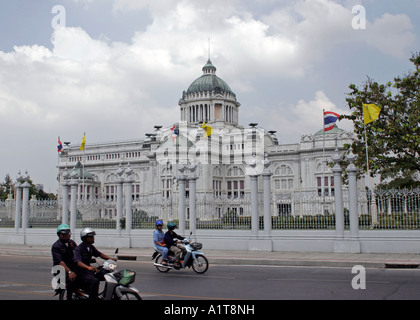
(368, 241)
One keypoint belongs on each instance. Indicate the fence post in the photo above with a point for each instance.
(192, 178)
(353, 208)
(73, 205)
(18, 212)
(128, 182)
(338, 196)
(267, 196)
(181, 202)
(25, 205)
(254, 205)
(120, 181)
(65, 193)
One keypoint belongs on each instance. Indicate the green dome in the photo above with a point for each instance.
(209, 81)
(334, 130)
(79, 172)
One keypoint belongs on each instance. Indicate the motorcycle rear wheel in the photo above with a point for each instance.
(75, 296)
(159, 260)
(200, 264)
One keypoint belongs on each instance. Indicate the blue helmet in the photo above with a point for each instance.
(159, 223)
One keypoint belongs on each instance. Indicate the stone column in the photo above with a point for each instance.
(338, 196)
(354, 216)
(267, 196)
(73, 205)
(25, 205)
(18, 213)
(181, 202)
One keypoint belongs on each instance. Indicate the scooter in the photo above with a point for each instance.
(117, 284)
(192, 258)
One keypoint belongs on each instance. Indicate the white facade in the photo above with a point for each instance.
(223, 157)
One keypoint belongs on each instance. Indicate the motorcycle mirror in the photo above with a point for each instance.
(116, 250)
(190, 233)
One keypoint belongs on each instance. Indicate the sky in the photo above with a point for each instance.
(116, 68)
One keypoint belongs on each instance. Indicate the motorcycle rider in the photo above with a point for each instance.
(89, 276)
(176, 247)
(62, 253)
(158, 241)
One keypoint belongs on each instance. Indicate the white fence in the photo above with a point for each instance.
(395, 209)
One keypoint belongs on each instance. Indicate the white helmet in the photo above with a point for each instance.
(87, 232)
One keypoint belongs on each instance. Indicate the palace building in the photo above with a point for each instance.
(221, 155)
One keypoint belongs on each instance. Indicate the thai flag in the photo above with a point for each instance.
(330, 118)
(60, 146)
(175, 133)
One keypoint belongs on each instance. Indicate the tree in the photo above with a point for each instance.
(394, 138)
(6, 188)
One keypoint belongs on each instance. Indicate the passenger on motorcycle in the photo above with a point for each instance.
(89, 276)
(159, 242)
(62, 254)
(176, 247)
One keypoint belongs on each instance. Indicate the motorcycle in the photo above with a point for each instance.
(117, 284)
(192, 258)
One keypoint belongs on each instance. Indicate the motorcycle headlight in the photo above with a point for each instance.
(109, 265)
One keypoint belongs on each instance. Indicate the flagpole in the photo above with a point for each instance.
(58, 167)
(373, 200)
(83, 168)
(367, 155)
(59, 151)
(323, 155)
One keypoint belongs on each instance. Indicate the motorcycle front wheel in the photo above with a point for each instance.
(130, 296)
(200, 264)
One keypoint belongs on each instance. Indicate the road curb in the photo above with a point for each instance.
(240, 261)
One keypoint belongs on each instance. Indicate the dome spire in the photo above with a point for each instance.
(209, 49)
(209, 68)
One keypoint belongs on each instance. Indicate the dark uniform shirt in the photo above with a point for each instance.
(169, 238)
(84, 254)
(62, 251)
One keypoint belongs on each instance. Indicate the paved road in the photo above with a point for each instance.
(29, 278)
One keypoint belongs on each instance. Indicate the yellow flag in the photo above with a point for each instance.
(82, 146)
(208, 130)
(370, 112)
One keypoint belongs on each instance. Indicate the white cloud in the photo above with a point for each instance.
(318, 26)
(95, 85)
(391, 34)
(302, 117)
